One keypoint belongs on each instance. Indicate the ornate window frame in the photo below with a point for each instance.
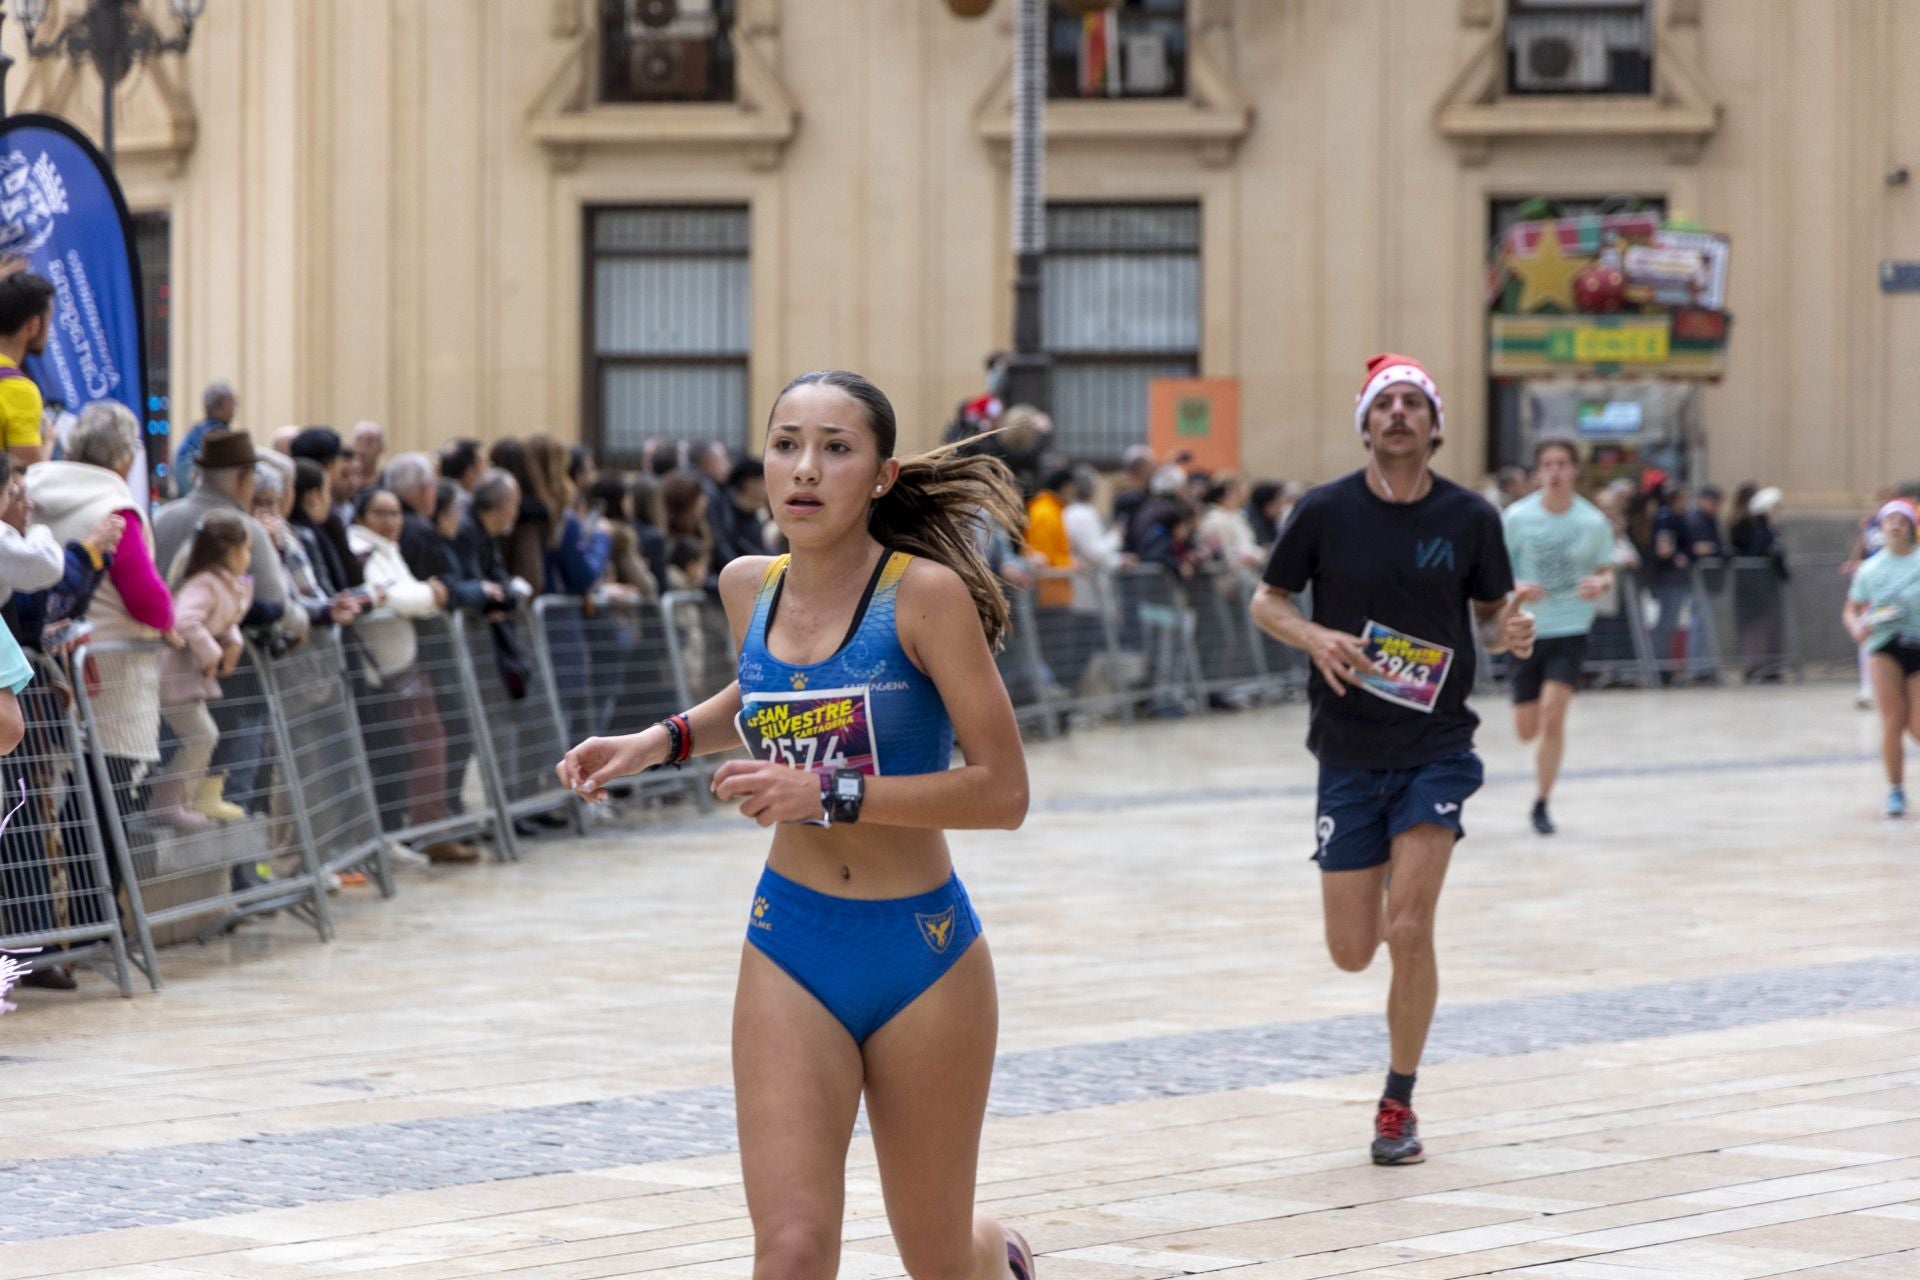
(566, 118)
(1682, 113)
(1214, 117)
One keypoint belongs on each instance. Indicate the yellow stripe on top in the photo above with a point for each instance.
(775, 567)
(889, 581)
(897, 562)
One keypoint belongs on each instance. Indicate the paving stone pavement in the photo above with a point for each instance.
(77, 1195)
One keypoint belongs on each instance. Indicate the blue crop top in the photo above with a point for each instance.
(867, 707)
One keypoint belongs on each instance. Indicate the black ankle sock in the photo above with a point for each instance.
(1400, 1088)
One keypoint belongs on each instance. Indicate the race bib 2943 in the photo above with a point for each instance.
(1410, 671)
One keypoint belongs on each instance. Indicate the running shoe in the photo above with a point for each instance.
(1396, 1134)
(1541, 822)
(1896, 802)
(1019, 1255)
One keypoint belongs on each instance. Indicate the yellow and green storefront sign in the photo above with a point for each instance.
(1607, 346)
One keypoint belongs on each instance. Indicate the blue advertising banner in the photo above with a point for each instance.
(62, 211)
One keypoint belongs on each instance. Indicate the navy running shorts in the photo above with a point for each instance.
(1362, 810)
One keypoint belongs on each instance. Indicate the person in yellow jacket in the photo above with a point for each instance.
(1047, 540)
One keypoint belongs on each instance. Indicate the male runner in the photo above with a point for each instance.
(1562, 552)
(1395, 556)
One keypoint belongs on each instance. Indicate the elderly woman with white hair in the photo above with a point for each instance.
(72, 497)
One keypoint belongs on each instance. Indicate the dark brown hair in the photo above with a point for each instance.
(217, 534)
(549, 482)
(1545, 443)
(938, 503)
(680, 495)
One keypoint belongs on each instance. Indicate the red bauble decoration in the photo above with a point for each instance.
(1599, 289)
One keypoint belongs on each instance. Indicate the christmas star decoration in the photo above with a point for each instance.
(1548, 276)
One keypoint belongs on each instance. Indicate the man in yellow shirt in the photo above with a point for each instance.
(26, 312)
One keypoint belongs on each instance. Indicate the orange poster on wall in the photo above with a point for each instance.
(1200, 416)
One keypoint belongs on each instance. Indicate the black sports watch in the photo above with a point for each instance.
(844, 797)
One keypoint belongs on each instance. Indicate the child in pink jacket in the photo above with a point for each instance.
(212, 595)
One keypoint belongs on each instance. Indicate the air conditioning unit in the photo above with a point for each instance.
(653, 20)
(670, 68)
(1145, 67)
(1560, 57)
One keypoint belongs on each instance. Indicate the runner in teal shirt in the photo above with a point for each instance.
(1558, 550)
(1883, 613)
(1562, 552)
(15, 673)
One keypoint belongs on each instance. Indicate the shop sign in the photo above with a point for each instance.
(1590, 344)
(1611, 417)
(1681, 346)
(1900, 277)
(1199, 417)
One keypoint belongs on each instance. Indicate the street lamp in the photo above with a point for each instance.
(113, 35)
(1029, 368)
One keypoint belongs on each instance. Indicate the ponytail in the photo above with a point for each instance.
(942, 507)
(944, 503)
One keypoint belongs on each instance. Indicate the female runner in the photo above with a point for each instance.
(864, 654)
(1883, 616)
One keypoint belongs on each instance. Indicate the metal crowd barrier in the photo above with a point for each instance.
(331, 765)
(423, 727)
(56, 887)
(1739, 607)
(326, 744)
(1031, 684)
(1739, 620)
(1075, 628)
(1619, 648)
(1142, 640)
(193, 880)
(701, 651)
(525, 727)
(615, 667)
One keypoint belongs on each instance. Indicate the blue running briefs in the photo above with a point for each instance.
(864, 959)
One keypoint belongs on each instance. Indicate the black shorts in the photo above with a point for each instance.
(1905, 652)
(1561, 658)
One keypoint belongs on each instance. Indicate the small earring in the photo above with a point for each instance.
(879, 488)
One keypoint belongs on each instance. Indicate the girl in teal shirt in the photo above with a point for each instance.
(1883, 614)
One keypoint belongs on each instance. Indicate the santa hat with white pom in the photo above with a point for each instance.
(1386, 369)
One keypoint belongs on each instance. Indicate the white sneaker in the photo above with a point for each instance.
(404, 856)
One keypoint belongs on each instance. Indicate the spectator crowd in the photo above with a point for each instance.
(321, 532)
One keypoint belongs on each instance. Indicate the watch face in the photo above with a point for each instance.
(847, 788)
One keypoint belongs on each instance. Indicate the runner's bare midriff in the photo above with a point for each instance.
(862, 861)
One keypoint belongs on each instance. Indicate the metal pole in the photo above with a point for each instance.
(1030, 369)
(109, 30)
(6, 62)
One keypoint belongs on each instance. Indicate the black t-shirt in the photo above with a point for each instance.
(1412, 567)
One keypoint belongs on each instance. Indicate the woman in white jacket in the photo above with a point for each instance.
(406, 744)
